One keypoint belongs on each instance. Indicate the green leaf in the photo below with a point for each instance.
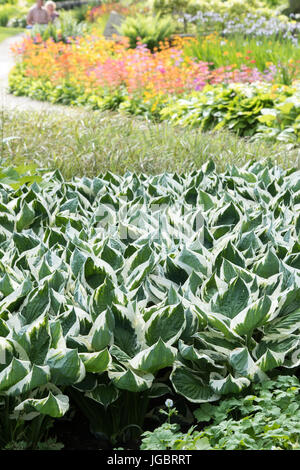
(25, 218)
(252, 317)
(205, 413)
(167, 324)
(103, 297)
(228, 385)
(242, 362)
(97, 362)
(39, 375)
(53, 405)
(131, 381)
(233, 300)
(156, 357)
(104, 394)
(13, 373)
(66, 366)
(35, 339)
(191, 386)
(101, 333)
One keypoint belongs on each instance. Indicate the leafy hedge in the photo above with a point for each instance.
(138, 285)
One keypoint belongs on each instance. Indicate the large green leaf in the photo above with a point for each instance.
(53, 405)
(191, 386)
(158, 356)
(167, 324)
(227, 385)
(252, 317)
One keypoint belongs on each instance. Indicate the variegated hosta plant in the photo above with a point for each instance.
(136, 285)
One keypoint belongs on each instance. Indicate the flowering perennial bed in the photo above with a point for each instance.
(106, 74)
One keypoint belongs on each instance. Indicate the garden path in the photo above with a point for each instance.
(20, 103)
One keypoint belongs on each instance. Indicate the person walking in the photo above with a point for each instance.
(38, 14)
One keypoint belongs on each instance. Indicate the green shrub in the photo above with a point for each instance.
(6, 12)
(244, 109)
(149, 30)
(79, 13)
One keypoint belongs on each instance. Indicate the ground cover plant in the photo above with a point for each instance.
(265, 419)
(126, 288)
(80, 143)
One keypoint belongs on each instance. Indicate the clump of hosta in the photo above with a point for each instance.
(141, 283)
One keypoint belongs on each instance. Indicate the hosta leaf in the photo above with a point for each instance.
(267, 266)
(152, 359)
(53, 405)
(7, 286)
(102, 298)
(191, 262)
(25, 218)
(191, 386)
(37, 304)
(222, 324)
(25, 242)
(159, 389)
(131, 381)
(231, 254)
(190, 353)
(233, 300)
(77, 261)
(216, 341)
(228, 215)
(225, 386)
(97, 362)
(242, 362)
(128, 331)
(13, 373)
(270, 359)
(285, 325)
(66, 366)
(16, 297)
(35, 339)
(6, 353)
(206, 200)
(167, 325)
(4, 330)
(252, 316)
(104, 394)
(39, 375)
(101, 333)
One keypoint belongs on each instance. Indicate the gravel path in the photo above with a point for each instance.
(8, 101)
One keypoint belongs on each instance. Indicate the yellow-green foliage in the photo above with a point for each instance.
(236, 8)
